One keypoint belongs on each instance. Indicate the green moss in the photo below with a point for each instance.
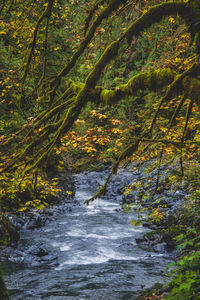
(175, 230)
(83, 94)
(110, 53)
(164, 77)
(77, 87)
(134, 84)
(153, 80)
(193, 21)
(108, 97)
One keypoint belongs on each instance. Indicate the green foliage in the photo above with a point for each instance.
(24, 192)
(185, 283)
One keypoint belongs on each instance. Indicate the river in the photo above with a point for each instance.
(85, 252)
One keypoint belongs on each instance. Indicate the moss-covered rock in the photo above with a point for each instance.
(3, 291)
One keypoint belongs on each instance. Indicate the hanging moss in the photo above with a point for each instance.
(107, 96)
(134, 84)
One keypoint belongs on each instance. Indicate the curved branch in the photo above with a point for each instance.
(91, 14)
(126, 153)
(174, 86)
(155, 14)
(152, 80)
(104, 14)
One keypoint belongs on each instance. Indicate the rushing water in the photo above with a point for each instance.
(86, 252)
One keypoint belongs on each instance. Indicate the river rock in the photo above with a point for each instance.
(37, 251)
(158, 241)
(36, 222)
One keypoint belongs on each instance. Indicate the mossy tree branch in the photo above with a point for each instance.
(79, 95)
(90, 33)
(152, 16)
(153, 80)
(49, 12)
(46, 14)
(156, 14)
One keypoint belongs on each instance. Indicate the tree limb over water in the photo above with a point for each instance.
(31, 144)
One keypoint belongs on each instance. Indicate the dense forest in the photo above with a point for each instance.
(86, 85)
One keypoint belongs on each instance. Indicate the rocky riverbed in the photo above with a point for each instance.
(73, 251)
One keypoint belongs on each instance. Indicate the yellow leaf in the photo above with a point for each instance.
(69, 192)
(22, 209)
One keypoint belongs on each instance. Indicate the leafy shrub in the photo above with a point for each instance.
(185, 283)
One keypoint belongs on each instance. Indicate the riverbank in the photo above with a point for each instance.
(94, 245)
(153, 243)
